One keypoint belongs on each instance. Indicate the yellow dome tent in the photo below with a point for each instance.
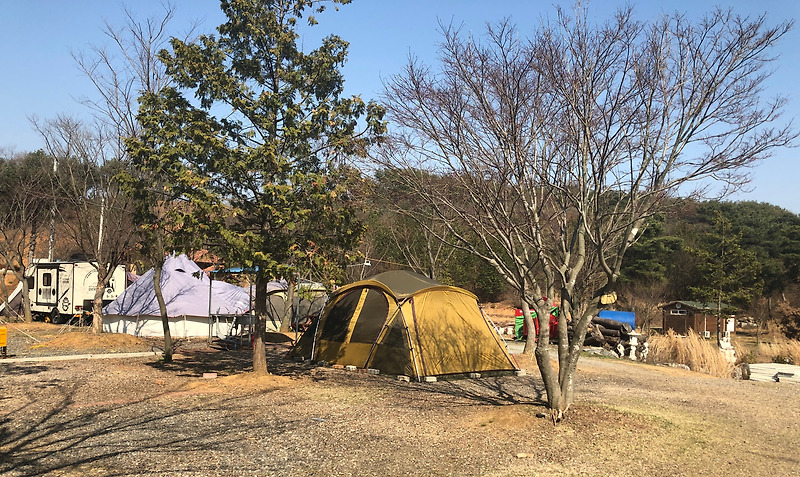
(401, 322)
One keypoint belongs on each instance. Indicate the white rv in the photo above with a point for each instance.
(60, 290)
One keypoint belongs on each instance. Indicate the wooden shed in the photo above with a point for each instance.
(681, 316)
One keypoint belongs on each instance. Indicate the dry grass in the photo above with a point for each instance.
(771, 346)
(693, 351)
(781, 352)
(81, 340)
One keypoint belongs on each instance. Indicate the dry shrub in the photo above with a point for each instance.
(789, 319)
(781, 352)
(693, 351)
(744, 353)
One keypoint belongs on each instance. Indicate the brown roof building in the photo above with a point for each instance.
(681, 316)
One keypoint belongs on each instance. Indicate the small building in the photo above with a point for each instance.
(681, 316)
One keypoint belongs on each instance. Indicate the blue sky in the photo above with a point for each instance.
(40, 77)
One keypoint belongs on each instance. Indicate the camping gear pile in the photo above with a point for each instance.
(403, 323)
(615, 331)
(616, 336)
(612, 330)
(521, 328)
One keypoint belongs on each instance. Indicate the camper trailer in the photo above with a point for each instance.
(60, 290)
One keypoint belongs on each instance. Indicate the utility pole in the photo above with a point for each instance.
(52, 243)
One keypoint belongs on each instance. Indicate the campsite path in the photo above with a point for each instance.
(137, 416)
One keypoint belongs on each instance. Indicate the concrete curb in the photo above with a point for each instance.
(41, 359)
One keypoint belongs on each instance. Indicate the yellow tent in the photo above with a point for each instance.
(403, 323)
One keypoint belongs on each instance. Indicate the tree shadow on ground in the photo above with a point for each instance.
(497, 391)
(219, 358)
(72, 437)
(9, 369)
(489, 390)
(493, 390)
(57, 430)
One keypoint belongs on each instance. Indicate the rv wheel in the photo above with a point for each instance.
(55, 316)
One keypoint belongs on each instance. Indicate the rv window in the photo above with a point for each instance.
(47, 280)
(677, 312)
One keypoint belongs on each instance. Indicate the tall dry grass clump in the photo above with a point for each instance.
(781, 352)
(697, 353)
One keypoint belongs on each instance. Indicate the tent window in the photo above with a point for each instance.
(371, 319)
(338, 319)
(396, 337)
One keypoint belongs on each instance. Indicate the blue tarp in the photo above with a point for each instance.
(628, 317)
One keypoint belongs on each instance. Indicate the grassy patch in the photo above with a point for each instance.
(697, 353)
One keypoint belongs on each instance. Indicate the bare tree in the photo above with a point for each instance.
(124, 70)
(394, 224)
(563, 144)
(121, 73)
(644, 297)
(94, 210)
(25, 198)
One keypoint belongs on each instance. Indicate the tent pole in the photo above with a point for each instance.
(210, 280)
(316, 326)
(416, 332)
(314, 341)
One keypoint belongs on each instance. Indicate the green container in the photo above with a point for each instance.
(519, 326)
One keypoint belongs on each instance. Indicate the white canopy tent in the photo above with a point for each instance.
(191, 298)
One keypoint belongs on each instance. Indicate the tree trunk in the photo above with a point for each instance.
(542, 354)
(612, 325)
(162, 306)
(761, 322)
(288, 305)
(26, 297)
(4, 288)
(260, 331)
(97, 302)
(530, 340)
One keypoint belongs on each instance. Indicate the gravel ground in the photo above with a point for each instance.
(141, 416)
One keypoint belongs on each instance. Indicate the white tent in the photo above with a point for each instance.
(187, 292)
(309, 300)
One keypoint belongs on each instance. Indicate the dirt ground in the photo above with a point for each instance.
(139, 416)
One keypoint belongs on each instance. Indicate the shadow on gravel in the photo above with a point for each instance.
(104, 439)
(16, 370)
(226, 362)
(496, 391)
(204, 433)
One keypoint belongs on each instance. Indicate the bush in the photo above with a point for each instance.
(693, 351)
(789, 319)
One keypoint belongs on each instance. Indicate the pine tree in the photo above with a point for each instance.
(266, 135)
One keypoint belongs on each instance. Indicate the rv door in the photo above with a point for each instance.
(46, 282)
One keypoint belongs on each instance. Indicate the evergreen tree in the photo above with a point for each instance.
(730, 274)
(270, 130)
